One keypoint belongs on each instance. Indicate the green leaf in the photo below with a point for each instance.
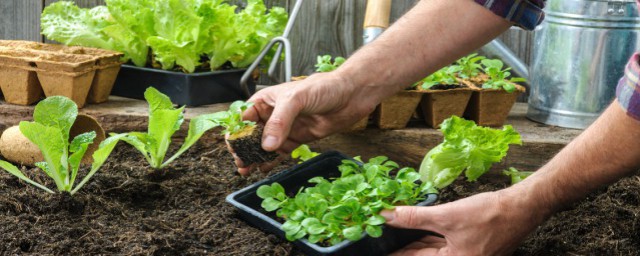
(77, 149)
(353, 233)
(53, 145)
(164, 121)
(66, 23)
(12, 169)
(303, 153)
(197, 127)
(376, 220)
(374, 231)
(466, 147)
(56, 111)
(516, 176)
(270, 204)
(99, 157)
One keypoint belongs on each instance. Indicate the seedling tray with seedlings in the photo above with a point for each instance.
(250, 206)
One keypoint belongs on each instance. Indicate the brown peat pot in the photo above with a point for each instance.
(490, 107)
(438, 105)
(396, 111)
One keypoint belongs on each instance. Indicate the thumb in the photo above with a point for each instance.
(278, 126)
(413, 217)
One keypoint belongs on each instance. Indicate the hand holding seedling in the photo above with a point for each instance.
(303, 111)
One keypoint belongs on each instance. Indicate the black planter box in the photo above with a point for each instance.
(325, 165)
(193, 89)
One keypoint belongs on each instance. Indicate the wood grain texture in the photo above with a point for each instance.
(20, 19)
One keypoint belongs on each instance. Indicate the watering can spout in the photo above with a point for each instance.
(497, 49)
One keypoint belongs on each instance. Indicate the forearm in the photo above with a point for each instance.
(605, 152)
(432, 35)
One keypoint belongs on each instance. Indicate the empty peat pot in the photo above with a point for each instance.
(325, 165)
(16, 148)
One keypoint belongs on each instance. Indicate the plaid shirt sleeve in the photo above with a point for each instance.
(628, 90)
(527, 14)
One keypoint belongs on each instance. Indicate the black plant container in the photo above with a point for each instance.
(193, 89)
(325, 165)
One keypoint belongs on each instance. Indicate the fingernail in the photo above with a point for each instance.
(270, 142)
(388, 215)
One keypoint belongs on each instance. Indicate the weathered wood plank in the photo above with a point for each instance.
(406, 146)
(20, 19)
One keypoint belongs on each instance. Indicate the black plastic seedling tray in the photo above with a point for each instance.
(193, 89)
(325, 165)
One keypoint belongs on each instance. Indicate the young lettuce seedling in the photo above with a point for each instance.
(444, 76)
(243, 136)
(516, 176)
(466, 148)
(498, 77)
(344, 208)
(469, 65)
(324, 63)
(303, 153)
(164, 121)
(53, 118)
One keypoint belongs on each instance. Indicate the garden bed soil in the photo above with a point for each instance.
(126, 209)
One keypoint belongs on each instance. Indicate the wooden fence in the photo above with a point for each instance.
(322, 27)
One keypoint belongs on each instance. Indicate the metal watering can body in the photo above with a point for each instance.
(579, 54)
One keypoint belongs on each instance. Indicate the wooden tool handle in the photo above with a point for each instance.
(377, 15)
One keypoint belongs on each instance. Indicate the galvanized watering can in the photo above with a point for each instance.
(578, 56)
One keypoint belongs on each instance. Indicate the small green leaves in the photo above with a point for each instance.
(516, 176)
(345, 207)
(498, 77)
(444, 76)
(303, 153)
(231, 120)
(164, 121)
(324, 63)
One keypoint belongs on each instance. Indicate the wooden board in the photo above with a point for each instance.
(406, 146)
(20, 19)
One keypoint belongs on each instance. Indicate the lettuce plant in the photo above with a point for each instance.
(53, 118)
(303, 153)
(177, 32)
(498, 77)
(466, 148)
(344, 208)
(324, 63)
(516, 176)
(231, 120)
(444, 76)
(164, 121)
(469, 65)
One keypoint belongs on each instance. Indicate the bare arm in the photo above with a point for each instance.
(496, 223)
(432, 35)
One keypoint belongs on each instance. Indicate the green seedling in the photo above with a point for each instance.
(303, 153)
(469, 65)
(324, 63)
(516, 176)
(164, 121)
(444, 76)
(53, 118)
(498, 77)
(348, 206)
(466, 148)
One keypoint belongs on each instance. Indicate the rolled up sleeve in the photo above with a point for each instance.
(523, 13)
(628, 90)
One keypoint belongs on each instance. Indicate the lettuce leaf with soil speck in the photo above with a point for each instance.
(466, 148)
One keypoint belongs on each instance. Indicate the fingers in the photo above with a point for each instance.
(413, 217)
(278, 126)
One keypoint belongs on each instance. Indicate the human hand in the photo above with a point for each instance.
(303, 111)
(490, 223)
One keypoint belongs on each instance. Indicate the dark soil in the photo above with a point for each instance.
(127, 209)
(249, 149)
(446, 86)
